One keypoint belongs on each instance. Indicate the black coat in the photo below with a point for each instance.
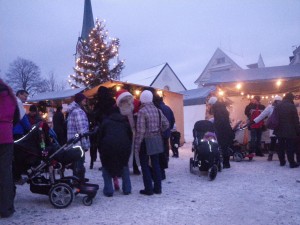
(223, 129)
(115, 143)
(288, 120)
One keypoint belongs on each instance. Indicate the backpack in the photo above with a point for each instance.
(273, 120)
(255, 114)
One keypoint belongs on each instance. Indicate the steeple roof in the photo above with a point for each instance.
(88, 19)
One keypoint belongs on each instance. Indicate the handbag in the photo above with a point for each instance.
(273, 121)
(154, 144)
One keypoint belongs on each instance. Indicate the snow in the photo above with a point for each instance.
(250, 192)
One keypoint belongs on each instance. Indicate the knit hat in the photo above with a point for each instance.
(33, 108)
(122, 94)
(277, 98)
(79, 97)
(146, 96)
(212, 100)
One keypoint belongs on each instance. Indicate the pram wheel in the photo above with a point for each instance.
(61, 195)
(238, 156)
(212, 172)
(87, 201)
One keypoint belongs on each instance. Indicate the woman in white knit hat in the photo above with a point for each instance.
(150, 122)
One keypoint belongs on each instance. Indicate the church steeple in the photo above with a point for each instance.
(88, 19)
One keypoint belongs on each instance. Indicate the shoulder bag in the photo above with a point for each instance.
(154, 144)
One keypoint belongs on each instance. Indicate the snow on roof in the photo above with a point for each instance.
(237, 58)
(144, 77)
(53, 95)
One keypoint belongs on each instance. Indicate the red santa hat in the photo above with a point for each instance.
(121, 94)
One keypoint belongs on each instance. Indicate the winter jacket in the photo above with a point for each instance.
(266, 114)
(250, 112)
(78, 124)
(148, 123)
(8, 105)
(59, 127)
(22, 127)
(167, 111)
(288, 120)
(223, 129)
(115, 139)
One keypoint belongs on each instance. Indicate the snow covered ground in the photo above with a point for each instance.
(256, 192)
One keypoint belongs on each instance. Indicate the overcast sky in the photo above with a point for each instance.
(184, 33)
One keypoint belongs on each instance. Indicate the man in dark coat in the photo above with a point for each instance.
(287, 130)
(223, 129)
(59, 126)
(167, 111)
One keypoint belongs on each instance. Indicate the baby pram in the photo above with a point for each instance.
(44, 163)
(207, 156)
(238, 150)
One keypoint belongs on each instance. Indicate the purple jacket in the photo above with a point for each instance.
(8, 105)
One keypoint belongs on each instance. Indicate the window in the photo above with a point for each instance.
(220, 60)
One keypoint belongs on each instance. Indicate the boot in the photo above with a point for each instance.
(226, 163)
(92, 164)
(270, 156)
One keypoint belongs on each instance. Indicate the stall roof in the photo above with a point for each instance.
(55, 95)
(258, 81)
(255, 75)
(93, 91)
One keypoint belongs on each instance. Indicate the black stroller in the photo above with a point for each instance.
(207, 156)
(43, 161)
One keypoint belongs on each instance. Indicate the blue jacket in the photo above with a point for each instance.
(23, 126)
(167, 111)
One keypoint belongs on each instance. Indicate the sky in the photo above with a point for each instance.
(183, 33)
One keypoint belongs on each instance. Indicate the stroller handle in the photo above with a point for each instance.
(77, 137)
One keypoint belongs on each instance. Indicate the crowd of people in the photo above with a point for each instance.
(286, 133)
(133, 133)
(130, 133)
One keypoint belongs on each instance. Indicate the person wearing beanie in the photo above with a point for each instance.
(212, 100)
(33, 115)
(223, 129)
(78, 124)
(266, 114)
(253, 110)
(150, 123)
(287, 130)
(127, 104)
(79, 97)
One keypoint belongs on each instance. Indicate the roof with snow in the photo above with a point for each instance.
(196, 96)
(144, 77)
(55, 95)
(150, 77)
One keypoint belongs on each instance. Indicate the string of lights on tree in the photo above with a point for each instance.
(93, 59)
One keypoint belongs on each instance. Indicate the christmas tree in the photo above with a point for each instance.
(97, 59)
